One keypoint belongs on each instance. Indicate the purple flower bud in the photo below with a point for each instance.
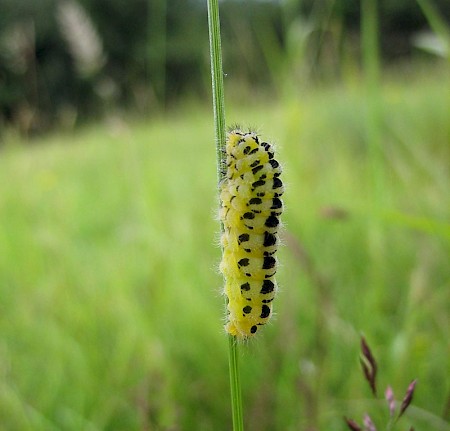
(389, 394)
(408, 397)
(370, 426)
(369, 365)
(352, 424)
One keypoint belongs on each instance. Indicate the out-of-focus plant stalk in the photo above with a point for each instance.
(371, 66)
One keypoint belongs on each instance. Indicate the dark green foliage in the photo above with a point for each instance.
(157, 51)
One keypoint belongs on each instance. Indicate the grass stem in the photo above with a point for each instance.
(235, 384)
(371, 66)
(217, 82)
(219, 126)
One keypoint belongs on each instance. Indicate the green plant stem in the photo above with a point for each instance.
(235, 384)
(371, 66)
(157, 36)
(219, 126)
(217, 82)
(436, 21)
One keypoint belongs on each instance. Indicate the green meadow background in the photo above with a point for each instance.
(111, 310)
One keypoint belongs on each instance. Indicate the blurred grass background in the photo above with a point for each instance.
(111, 306)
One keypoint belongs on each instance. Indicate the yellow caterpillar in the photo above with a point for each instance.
(250, 210)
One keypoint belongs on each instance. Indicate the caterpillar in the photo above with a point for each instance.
(250, 211)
